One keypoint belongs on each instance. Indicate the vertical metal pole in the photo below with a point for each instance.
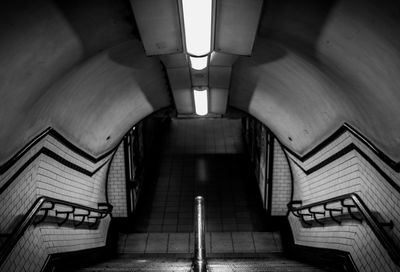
(199, 261)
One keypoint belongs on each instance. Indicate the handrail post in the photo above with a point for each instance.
(199, 260)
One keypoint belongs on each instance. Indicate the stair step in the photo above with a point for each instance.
(153, 264)
(216, 242)
(256, 264)
(259, 265)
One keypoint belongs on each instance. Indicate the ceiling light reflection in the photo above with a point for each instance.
(201, 101)
(199, 63)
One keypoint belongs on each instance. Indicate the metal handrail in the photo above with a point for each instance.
(37, 206)
(199, 260)
(367, 215)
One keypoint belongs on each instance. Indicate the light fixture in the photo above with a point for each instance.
(198, 63)
(201, 101)
(197, 20)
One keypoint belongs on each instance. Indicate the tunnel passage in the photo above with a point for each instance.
(194, 157)
(201, 157)
(81, 69)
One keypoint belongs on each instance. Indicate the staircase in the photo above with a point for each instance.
(226, 252)
(161, 238)
(272, 263)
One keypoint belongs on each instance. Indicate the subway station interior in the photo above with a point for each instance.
(199, 135)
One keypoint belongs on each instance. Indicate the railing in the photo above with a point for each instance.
(77, 213)
(199, 260)
(336, 208)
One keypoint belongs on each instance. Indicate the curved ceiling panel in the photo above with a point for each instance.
(40, 42)
(289, 94)
(96, 103)
(29, 61)
(321, 65)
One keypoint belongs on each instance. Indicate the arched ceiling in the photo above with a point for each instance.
(85, 75)
(79, 67)
(317, 65)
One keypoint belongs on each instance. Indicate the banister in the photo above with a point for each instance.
(199, 258)
(30, 215)
(367, 215)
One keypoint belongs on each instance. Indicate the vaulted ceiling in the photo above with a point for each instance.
(81, 66)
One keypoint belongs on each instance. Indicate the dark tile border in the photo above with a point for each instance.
(347, 128)
(56, 157)
(51, 132)
(349, 148)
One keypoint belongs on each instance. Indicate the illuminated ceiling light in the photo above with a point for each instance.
(199, 63)
(197, 18)
(201, 101)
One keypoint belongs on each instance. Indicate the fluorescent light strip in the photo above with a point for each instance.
(199, 63)
(201, 101)
(197, 23)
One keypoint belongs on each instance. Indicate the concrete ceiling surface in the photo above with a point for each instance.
(159, 26)
(78, 66)
(236, 25)
(218, 99)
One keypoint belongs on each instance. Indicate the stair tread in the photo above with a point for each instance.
(216, 242)
(214, 265)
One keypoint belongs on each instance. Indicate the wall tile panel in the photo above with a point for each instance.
(48, 177)
(350, 173)
(117, 184)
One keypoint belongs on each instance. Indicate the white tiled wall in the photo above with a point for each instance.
(47, 177)
(350, 173)
(281, 187)
(117, 184)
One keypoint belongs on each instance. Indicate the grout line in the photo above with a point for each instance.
(166, 198)
(233, 247)
(254, 242)
(147, 241)
(189, 242)
(179, 200)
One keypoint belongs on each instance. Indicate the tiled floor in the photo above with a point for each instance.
(216, 242)
(201, 157)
